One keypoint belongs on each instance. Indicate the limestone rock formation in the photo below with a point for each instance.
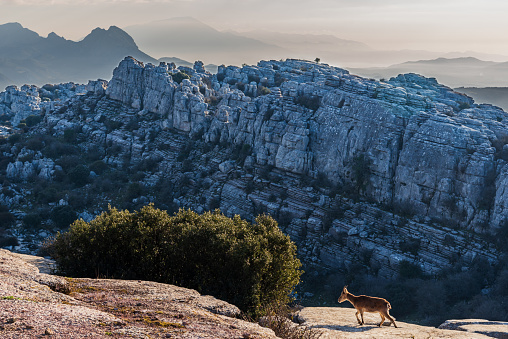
(344, 163)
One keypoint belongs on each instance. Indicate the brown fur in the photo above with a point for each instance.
(363, 303)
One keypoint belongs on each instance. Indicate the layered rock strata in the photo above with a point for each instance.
(428, 163)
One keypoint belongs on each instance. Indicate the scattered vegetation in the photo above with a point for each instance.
(309, 101)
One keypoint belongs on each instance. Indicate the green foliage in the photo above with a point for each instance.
(32, 220)
(178, 77)
(220, 77)
(249, 265)
(63, 216)
(278, 79)
(264, 90)
(411, 245)
(409, 270)
(98, 167)
(79, 175)
(7, 219)
(70, 135)
(309, 101)
(253, 78)
(32, 120)
(14, 138)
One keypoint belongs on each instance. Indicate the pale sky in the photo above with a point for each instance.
(436, 25)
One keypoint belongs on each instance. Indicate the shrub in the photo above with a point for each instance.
(249, 265)
(360, 172)
(309, 101)
(253, 78)
(411, 245)
(409, 270)
(32, 120)
(263, 90)
(8, 241)
(6, 217)
(178, 77)
(63, 216)
(14, 138)
(70, 135)
(278, 79)
(32, 220)
(79, 175)
(98, 167)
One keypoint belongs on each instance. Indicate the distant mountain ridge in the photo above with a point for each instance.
(493, 95)
(191, 39)
(454, 72)
(26, 57)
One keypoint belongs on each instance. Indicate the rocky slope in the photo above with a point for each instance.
(32, 304)
(355, 170)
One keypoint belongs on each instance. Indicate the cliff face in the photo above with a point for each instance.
(424, 148)
(286, 136)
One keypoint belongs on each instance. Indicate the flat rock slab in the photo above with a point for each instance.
(337, 322)
(38, 305)
(494, 329)
(46, 266)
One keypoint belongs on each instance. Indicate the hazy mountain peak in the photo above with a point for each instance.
(29, 58)
(13, 32)
(113, 35)
(11, 25)
(191, 39)
(442, 60)
(54, 36)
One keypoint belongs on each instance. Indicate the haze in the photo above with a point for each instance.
(433, 25)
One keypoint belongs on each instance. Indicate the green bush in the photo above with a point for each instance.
(80, 175)
(32, 120)
(7, 219)
(309, 101)
(63, 216)
(249, 265)
(178, 77)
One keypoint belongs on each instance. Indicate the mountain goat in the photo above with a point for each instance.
(363, 303)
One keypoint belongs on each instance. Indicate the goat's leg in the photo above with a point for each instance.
(382, 319)
(392, 320)
(361, 314)
(357, 318)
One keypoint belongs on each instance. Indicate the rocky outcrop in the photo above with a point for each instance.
(347, 165)
(37, 304)
(19, 103)
(410, 143)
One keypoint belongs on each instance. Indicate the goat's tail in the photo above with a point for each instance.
(389, 306)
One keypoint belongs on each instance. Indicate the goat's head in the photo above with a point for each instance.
(343, 295)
